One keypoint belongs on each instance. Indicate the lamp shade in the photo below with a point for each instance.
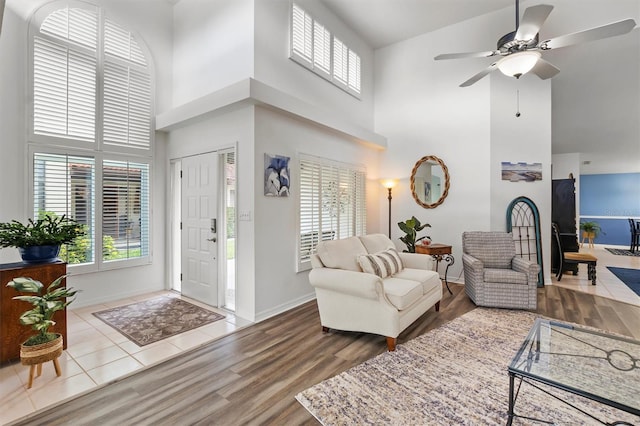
(518, 64)
(388, 182)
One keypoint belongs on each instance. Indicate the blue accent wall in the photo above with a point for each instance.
(616, 195)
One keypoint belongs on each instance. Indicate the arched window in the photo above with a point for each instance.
(91, 139)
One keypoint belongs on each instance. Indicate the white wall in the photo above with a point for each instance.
(422, 111)
(521, 139)
(155, 30)
(273, 67)
(212, 47)
(278, 286)
(224, 131)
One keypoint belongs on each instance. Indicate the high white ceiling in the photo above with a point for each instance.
(384, 22)
(596, 96)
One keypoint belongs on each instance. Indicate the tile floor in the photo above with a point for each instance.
(607, 284)
(97, 354)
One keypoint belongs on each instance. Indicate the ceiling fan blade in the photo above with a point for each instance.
(531, 21)
(467, 55)
(610, 30)
(480, 75)
(544, 69)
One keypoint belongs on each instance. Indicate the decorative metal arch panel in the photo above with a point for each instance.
(523, 220)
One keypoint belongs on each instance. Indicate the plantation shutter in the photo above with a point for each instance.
(64, 91)
(340, 61)
(301, 33)
(354, 71)
(127, 106)
(309, 208)
(321, 48)
(125, 210)
(64, 185)
(127, 90)
(332, 204)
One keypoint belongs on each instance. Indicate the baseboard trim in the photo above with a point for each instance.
(263, 315)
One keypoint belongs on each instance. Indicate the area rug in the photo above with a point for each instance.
(622, 252)
(156, 319)
(453, 375)
(631, 277)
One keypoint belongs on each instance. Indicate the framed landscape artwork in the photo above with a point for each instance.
(521, 172)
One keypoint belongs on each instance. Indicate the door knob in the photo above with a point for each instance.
(213, 240)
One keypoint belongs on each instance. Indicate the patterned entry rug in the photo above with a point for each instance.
(453, 375)
(622, 252)
(156, 319)
(631, 277)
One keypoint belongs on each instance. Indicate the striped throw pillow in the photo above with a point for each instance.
(382, 264)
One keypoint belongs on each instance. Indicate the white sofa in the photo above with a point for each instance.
(350, 299)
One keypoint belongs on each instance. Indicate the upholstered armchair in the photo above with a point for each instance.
(493, 275)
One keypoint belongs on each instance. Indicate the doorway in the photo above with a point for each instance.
(203, 228)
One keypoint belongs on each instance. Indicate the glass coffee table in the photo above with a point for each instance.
(585, 362)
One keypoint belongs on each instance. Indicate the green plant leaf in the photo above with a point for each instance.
(26, 285)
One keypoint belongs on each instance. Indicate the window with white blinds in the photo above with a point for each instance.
(314, 47)
(125, 210)
(65, 185)
(332, 204)
(91, 146)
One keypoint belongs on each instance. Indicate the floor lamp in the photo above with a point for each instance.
(389, 184)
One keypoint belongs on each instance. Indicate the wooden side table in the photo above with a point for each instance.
(439, 252)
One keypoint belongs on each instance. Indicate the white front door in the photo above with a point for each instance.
(199, 222)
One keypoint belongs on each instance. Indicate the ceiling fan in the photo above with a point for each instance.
(520, 50)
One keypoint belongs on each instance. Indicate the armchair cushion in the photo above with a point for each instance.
(383, 264)
(506, 276)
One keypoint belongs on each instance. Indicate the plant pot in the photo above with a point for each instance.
(38, 354)
(39, 254)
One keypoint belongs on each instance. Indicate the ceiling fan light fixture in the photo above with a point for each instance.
(518, 64)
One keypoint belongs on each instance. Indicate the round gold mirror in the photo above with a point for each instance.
(429, 182)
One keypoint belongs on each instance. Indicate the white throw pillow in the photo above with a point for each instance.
(383, 264)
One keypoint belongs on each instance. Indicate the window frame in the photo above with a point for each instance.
(355, 88)
(358, 207)
(97, 149)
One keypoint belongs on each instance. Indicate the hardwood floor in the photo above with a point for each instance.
(252, 375)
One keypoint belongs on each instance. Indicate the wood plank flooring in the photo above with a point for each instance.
(252, 376)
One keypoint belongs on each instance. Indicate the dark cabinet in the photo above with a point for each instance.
(12, 333)
(563, 213)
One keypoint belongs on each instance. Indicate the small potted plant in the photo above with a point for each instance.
(590, 231)
(40, 240)
(411, 227)
(43, 346)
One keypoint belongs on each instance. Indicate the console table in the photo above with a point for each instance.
(439, 252)
(12, 333)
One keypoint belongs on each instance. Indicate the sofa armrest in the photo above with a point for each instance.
(416, 261)
(528, 267)
(358, 284)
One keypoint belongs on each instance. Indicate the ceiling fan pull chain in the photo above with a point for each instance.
(518, 103)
